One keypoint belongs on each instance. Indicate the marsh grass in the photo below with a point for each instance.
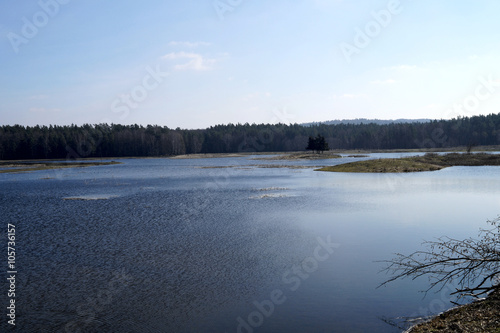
(427, 162)
(300, 156)
(22, 166)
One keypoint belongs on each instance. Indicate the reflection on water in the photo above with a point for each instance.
(162, 245)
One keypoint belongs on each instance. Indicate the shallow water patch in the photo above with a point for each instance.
(92, 197)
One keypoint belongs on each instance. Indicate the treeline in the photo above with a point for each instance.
(103, 140)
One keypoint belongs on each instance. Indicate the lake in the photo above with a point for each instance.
(183, 245)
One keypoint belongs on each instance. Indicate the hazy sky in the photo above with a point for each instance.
(193, 64)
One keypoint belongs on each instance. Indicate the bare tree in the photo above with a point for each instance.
(472, 264)
(469, 147)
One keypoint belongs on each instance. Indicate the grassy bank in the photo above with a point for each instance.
(428, 162)
(276, 156)
(420, 150)
(300, 156)
(480, 316)
(24, 166)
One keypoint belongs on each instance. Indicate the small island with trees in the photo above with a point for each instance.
(24, 149)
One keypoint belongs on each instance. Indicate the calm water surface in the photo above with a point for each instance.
(167, 245)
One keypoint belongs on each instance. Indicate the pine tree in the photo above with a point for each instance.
(317, 144)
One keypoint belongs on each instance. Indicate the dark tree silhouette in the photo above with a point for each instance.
(473, 264)
(318, 144)
(115, 140)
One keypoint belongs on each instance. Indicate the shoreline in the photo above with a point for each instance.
(33, 165)
(354, 152)
(479, 316)
(427, 162)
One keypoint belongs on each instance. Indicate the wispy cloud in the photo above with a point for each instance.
(37, 110)
(256, 96)
(348, 96)
(189, 44)
(388, 81)
(195, 61)
(403, 67)
(43, 110)
(38, 97)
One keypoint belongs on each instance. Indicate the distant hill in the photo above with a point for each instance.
(358, 121)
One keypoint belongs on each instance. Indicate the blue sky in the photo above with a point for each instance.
(193, 64)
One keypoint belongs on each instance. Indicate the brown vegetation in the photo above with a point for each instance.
(300, 156)
(480, 316)
(23, 166)
(427, 162)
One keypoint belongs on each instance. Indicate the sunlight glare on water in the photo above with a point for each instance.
(162, 245)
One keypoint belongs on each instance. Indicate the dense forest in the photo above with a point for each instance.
(103, 140)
